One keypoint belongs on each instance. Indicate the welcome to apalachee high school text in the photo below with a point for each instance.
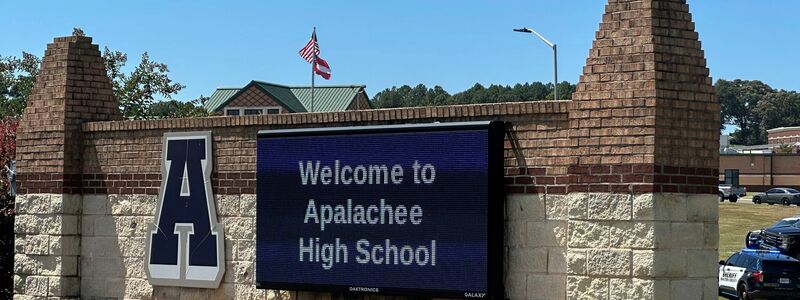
(337, 251)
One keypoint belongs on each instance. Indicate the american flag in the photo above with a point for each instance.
(311, 49)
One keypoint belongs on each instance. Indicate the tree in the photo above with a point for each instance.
(17, 77)
(8, 146)
(779, 109)
(136, 91)
(392, 97)
(738, 100)
(565, 90)
(178, 109)
(420, 95)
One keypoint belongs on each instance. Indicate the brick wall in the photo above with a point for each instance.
(644, 121)
(71, 88)
(788, 135)
(760, 172)
(123, 157)
(643, 92)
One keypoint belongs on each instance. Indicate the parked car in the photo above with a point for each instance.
(759, 274)
(730, 192)
(785, 196)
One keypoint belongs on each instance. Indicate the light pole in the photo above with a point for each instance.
(555, 57)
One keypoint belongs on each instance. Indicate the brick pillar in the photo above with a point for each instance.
(71, 88)
(643, 214)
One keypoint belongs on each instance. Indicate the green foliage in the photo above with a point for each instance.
(738, 100)
(420, 95)
(779, 109)
(405, 96)
(17, 76)
(565, 90)
(755, 107)
(178, 109)
(136, 91)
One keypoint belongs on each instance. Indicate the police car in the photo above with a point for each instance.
(759, 274)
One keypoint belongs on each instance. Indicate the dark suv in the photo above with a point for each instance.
(783, 236)
(760, 274)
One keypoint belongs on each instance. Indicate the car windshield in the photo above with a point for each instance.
(787, 222)
(792, 191)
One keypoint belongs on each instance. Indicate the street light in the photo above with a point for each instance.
(555, 57)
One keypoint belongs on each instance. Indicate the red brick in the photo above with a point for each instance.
(545, 180)
(523, 180)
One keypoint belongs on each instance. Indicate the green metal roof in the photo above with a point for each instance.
(282, 94)
(294, 98)
(327, 99)
(219, 98)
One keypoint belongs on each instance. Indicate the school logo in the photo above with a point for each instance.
(185, 243)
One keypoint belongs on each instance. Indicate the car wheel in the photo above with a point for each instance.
(733, 199)
(785, 202)
(757, 200)
(742, 292)
(721, 197)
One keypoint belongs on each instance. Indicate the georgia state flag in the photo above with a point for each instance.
(322, 68)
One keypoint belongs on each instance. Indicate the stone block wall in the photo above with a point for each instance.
(536, 242)
(113, 235)
(47, 246)
(648, 246)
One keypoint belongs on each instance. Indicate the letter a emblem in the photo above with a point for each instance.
(185, 242)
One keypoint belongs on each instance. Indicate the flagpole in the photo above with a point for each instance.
(313, 66)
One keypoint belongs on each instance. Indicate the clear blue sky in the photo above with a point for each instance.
(390, 43)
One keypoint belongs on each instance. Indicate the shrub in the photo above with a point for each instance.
(8, 146)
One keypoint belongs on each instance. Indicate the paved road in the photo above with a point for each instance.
(749, 201)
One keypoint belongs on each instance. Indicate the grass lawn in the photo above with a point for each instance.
(736, 219)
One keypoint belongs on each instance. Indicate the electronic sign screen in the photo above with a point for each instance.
(398, 209)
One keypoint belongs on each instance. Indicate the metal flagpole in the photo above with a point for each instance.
(313, 66)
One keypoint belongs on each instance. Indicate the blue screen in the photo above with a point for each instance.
(386, 210)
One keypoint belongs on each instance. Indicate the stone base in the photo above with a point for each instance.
(47, 246)
(536, 243)
(652, 246)
(576, 246)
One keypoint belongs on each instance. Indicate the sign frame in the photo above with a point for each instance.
(495, 209)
